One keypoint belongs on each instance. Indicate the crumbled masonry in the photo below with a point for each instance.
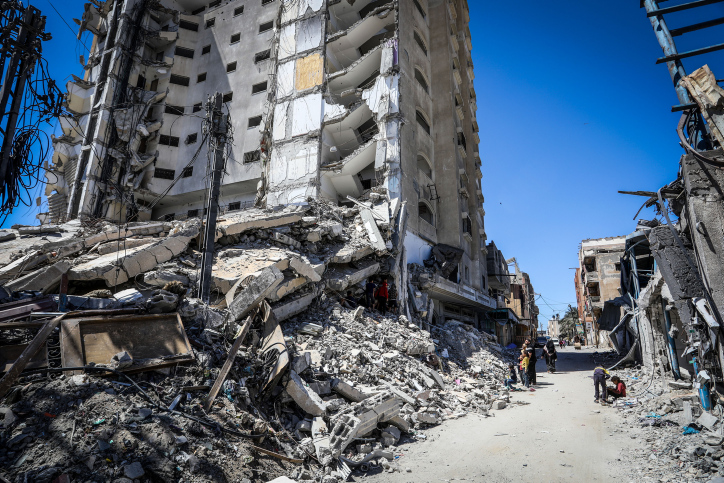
(312, 391)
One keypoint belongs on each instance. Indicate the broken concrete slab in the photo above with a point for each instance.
(137, 260)
(368, 220)
(254, 220)
(304, 396)
(347, 254)
(41, 280)
(347, 391)
(288, 286)
(304, 269)
(341, 278)
(258, 289)
(7, 235)
(290, 308)
(38, 230)
(119, 245)
(286, 240)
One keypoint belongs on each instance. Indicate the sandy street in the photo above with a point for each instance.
(560, 435)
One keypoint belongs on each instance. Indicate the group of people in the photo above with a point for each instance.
(600, 376)
(377, 296)
(526, 364)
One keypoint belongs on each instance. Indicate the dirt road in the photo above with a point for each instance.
(561, 435)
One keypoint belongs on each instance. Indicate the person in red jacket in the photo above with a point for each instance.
(619, 390)
(382, 295)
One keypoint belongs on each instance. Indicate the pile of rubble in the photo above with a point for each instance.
(679, 441)
(114, 372)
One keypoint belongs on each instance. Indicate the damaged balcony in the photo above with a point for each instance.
(349, 148)
(346, 85)
(450, 292)
(79, 97)
(344, 48)
(345, 14)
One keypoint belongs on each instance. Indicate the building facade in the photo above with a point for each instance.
(369, 101)
(597, 280)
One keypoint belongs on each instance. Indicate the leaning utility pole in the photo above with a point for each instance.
(20, 42)
(218, 129)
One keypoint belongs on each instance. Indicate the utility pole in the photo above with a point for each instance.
(25, 50)
(218, 129)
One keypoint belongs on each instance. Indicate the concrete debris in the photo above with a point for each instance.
(324, 367)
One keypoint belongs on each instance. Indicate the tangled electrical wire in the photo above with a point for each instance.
(42, 101)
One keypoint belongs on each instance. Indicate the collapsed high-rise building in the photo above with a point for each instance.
(339, 100)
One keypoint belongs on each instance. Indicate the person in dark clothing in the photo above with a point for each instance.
(349, 301)
(370, 293)
(512, 377)
(531, 366)
(599, 381)
(549, 352)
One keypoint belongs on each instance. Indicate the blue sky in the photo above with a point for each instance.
(571, 108)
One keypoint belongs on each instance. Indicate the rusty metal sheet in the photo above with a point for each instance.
(153, 341)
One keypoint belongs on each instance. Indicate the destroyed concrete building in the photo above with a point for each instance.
(364, 100)
(597, 280)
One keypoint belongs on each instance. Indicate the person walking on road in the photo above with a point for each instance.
(549, 352)
(600, 375)
(532, 359)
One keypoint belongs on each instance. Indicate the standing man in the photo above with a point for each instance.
(370, 293)
(533, 360)
(382, 295)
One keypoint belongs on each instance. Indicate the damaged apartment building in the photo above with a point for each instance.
(359, 103)
(597, 279)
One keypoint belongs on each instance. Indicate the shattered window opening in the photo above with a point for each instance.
(167, 140)
(227, 97)
(265, 27)
(187, 172)
(235, 39)
(420, 42)
(231, 67)
(234, 206)
(196, 108)
(184, 52)
(205, 49)
(419, 8)
(422, 81)
(192, 213)
(201, 77)
(262, 56)
(169, 217)
(425, 212)
(179, 80)
(252, 157)
(191, 139)
(210, 22)
(238, 11)
(257, 88)
(266, 2)
(175, 110)
(163, 173)
(198, 10)
(186, 25)
(422, 121)
(254, 122)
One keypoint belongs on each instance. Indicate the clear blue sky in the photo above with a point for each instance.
(571, 108)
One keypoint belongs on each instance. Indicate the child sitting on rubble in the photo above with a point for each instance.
(619, 390)
(349, 302)
(512, 378)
